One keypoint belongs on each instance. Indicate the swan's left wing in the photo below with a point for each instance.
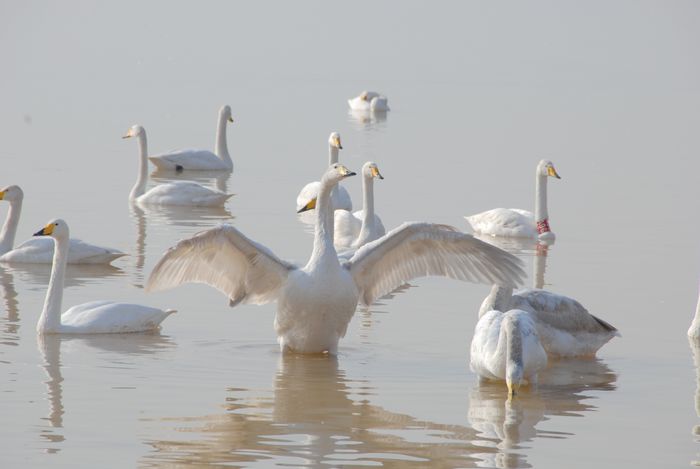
(420, 249)
(225, 259)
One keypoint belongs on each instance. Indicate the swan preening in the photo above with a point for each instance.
(369, 101)
(340, 198)
(200, 160)
(359, 228)
(96, 317)
(520, 223)
(171, 193)
(40, 251)
(316, 302)
(515, 329)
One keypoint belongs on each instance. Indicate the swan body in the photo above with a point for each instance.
(565, 327)
(359, 228)
(316, 302)
(520, 223)
(506, 346)
(97, 317)
(369, 101)
(185, 193)
(340, 198)
(40, 251)
(197, 159)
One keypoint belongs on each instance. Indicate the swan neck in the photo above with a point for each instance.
(541, 198)
(221, 147)
(140, 187)
(9, 229)
(332, 155)
(324, 251)
(367, 199)
(499, 299)
(50, 320)
(514, 349)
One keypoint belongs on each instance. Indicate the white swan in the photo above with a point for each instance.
(565, 327)
(369, 101)
(200, 160)
(172, 193)
(506, 346)
(340, 198)
(359, 228)
(316, 302)
(40, 251)
(520, 223)
(96, 317)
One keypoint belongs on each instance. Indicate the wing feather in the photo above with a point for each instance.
(421, 249)
(225, 259)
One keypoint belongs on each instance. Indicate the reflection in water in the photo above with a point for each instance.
(185, 215)
(367, 119)
(560, 392)
(695, 348)
(37, 275)
(139, 217)
(50, 348)
(220, 178)
(10, 320)
(315, 417)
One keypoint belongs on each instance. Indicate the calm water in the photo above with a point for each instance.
(479, 93)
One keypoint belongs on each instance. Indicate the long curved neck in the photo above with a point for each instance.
(332, 155)
(221, 147)
(367, 204)
(514, 348)
(499, 299)
(541, 198)
(9, 229)
(50, 320)
(140, 187)
(324, 252)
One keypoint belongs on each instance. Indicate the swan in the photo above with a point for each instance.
(96, 317)
(369, 101)
(565, 327)
(316, 302)
(340, 198)
(520, 223)
(506, 346)
(694, 330)
(200, 160)
(359, 228)
(40, 251)
(172, 193)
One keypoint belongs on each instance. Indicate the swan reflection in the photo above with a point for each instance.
(9, 323)
(77, 275)
(367, 119)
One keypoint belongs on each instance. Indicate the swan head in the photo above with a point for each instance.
(371, 170)
(546, 168)
(335, 173)
(225, 112)
(364, 96)
(514, 378)
(134, 131)
(56, 228)
(11, 193)
(334, 140)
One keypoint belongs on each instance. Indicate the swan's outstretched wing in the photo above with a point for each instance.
(420, 249)
(228, 261)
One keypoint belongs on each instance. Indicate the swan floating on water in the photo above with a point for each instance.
(340, 198)
(565, 327)
(171, 193)
(369, 101)
(40, 251)
(200, 160)
(520, 223)
(316, 302)
(96, 317)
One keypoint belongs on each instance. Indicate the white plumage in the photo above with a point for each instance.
(97, 317)
(369, 101)
(197, 159)
(317, 301)
(340, 198)
(359, 228)
(40, 251)
(172, 193)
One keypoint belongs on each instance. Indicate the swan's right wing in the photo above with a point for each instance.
(228, 261)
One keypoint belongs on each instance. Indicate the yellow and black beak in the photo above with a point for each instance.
(230, 119)
(45, 231)
(128, 135)
(376, 173)
(512, 390)
(552, 172)
(310, 206)
(336, 142)
(345, 172)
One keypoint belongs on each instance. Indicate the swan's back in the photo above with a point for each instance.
(504, 222)
(104, 317)
(40, 251)
(189, 159)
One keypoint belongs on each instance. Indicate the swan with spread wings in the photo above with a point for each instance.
(316, 301)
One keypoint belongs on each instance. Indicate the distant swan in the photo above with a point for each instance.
(520, 223)
(565, 327)
(171, 193)
(40, 251)
(369, 101)
(97, 317)
(359, 228)
(340, 198)
(316, 302)
(200, 160)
